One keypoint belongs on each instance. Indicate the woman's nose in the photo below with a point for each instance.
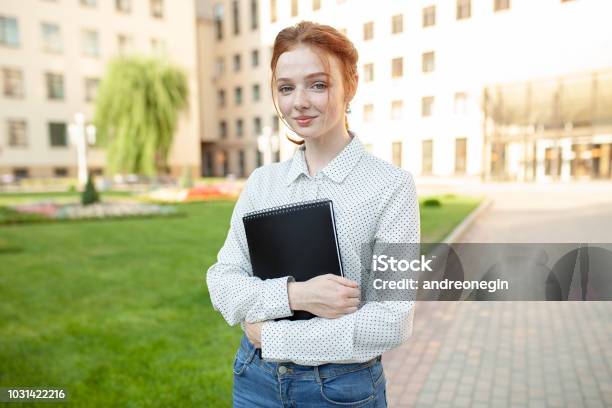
(301, 99)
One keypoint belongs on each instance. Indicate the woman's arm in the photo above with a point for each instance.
(377, 326)
(234, 292)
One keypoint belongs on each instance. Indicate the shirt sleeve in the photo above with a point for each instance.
(234, 291)
(377, 326)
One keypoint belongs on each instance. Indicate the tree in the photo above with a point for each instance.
(137, 109)
(89, 195)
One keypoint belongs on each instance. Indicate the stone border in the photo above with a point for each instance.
(467, 222)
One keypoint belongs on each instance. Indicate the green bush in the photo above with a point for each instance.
(432, 202)
(90, 195)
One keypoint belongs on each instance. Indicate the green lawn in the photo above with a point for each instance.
(117, 312)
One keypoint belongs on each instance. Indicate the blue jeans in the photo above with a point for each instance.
(259, 383)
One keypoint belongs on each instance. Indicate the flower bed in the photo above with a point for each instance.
(219, 191)
(47, 211)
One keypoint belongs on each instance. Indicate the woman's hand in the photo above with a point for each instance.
(253, 333)
(330, 296)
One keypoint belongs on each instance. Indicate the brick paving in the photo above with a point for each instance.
(514, 354)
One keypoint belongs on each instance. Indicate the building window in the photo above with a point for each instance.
(21, 172)
(294, 8)
(90, 43)
(464, 9)
(239, 128)
(397, 67)
(258, 157)
(123, 6)
(272, 11)
(368, 112)
(255, 58)
(218, 12)
(157, 8)
(207, 159)
(501, 5)
(220, 66)
(236, 17)
(158, 46)
(12, 83)
(275, 123)
(254, 15)
(396, 109)
(221, 98)
(222, 129)
(60, 172)
(429, 16)
(237, 62)
(427, 164)
(397, 24)
(124, 44)
(57, 135)
(428, 62)
(256, 95)
(316, 5)
(88, 3)
(257, 126)
(368, 72)
(91, 89)
(241, 166)
(55, 86)
(552, 161)
(460, 155)
(17, 133)
(368, 31)
(9, 31)
(238, 95)
(396, 153)
(224, 160)
(460, 105)
(427, 106)
(51, 37)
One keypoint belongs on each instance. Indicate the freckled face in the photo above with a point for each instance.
(303, 90)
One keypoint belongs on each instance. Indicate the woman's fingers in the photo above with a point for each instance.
(344, 281)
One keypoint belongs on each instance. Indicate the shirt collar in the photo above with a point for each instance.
(337, 169)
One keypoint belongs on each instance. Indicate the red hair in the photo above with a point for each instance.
(324, 40)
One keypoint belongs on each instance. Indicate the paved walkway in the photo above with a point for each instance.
(514, 354)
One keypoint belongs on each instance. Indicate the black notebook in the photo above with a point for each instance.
(295, 239)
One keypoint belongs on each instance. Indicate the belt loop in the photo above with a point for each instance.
(316, 375)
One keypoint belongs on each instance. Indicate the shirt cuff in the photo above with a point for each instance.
(273, 340)
(276, 295)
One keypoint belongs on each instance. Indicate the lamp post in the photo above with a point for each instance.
(267, 144)
(81, 136)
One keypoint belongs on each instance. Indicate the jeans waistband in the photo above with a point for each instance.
(323, 371)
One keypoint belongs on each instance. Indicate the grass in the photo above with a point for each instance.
(117, 312)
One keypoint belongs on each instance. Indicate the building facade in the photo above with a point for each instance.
(53, 54)
(484, 89)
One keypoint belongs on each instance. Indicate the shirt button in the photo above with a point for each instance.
(282, 370)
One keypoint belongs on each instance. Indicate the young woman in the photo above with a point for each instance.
(333, 359)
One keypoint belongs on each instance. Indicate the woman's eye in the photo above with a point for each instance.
(321, 84)
(284, 88)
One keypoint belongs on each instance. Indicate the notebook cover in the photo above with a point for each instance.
(295, 239)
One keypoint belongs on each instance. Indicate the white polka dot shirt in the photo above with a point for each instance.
(374, 202)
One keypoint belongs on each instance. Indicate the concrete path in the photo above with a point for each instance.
(513, 354)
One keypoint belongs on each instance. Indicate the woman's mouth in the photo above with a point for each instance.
(305, 121)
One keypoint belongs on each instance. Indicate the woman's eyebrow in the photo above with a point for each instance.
(307, 76)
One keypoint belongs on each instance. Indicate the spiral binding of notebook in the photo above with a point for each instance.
(281, 209)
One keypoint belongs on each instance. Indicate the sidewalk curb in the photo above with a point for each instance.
(460, 229)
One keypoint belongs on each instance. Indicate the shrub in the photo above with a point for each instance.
(432, 202)
(90, 195)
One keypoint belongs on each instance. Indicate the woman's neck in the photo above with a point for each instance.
(321, 150)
